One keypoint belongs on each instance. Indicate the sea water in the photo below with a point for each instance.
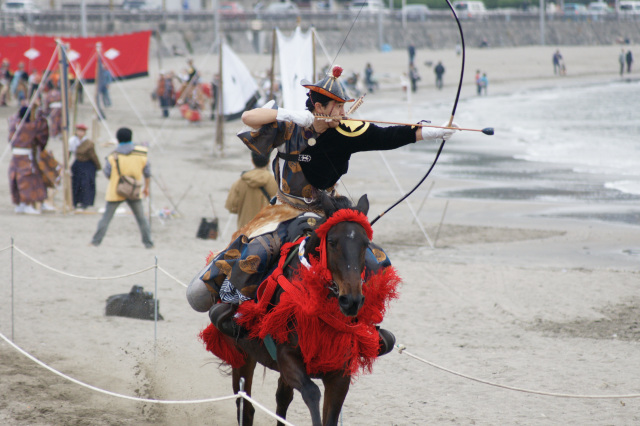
(591, 128)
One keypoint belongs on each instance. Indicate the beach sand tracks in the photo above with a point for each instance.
(455, 235)
(618, 322)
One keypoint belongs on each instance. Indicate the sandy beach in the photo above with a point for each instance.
(510, 293)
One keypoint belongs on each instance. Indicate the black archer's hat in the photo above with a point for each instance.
(329, 86)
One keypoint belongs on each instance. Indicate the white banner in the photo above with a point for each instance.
(296, 63)
(238, 85)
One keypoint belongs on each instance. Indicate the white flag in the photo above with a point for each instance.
(296, 63)
(238, 85)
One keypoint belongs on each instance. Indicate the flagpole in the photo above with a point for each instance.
(220, 119)
(64, 92)
(97, 78)
(273, 65)
(313, 45)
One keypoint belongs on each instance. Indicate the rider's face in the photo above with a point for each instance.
(333, 109)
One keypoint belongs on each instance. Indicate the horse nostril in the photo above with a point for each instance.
(344, 301)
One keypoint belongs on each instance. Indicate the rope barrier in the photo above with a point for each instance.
(402, 350)
(172, 277)
(257, 404)
(79, 276)
(106, 392)
(6, 248)
(241, 394)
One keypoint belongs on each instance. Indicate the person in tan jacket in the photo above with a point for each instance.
(252, 191)
(83, 169)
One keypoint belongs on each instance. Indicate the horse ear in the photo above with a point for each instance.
(363, 204)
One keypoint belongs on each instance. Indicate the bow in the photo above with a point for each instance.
(453, 113)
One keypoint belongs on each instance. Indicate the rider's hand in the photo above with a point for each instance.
(437, 133)
(301, 118)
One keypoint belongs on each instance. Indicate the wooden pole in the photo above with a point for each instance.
(220, 118)
(314, 77)
(273, 66)
(64, 92)
(97, 78)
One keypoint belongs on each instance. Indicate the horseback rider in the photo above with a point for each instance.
(312, 154)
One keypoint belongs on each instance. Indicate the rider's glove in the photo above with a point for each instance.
(436, 133)
(301, 118)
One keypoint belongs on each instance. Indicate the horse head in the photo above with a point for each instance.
(342, 241)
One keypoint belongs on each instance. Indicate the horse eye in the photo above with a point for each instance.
(332, 242)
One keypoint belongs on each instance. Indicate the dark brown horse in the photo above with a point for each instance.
(345, 245)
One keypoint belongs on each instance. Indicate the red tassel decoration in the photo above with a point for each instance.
(337, 71)
(216, 343)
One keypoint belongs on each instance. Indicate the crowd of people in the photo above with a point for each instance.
(186, 91)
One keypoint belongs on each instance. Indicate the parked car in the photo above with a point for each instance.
(574, 9)
(136, 5)
(231, 8)
(599, 8)
(469, 9)
(366, 6)
(286, 8)
(630, 7)
(19, 6)
(414, 12)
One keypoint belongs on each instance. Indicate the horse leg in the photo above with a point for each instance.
(284, 396)
(294, 373)
(336, 386)
(246, 372)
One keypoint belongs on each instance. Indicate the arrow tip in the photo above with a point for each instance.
(488, 131)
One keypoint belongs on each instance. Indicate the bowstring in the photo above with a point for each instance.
(453, 113)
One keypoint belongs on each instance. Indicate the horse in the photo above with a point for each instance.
(342, 240)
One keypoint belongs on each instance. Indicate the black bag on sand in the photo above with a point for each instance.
(136, 304)
(208, 230)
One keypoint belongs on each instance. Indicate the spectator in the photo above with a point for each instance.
(25, 179)
(252, 191)
(621, 60)
(483, 84)
(439, 70)
(166, 92)
(629, 60)
(412, 53)
(19, 84)
(414, 77)
(478, 85)
(130, 160)
(5, 82)
(368, 78)
(105, 80)
(83, 169)
(557, 58)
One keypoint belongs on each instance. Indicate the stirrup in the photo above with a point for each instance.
(221, 316)
(387, 341)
